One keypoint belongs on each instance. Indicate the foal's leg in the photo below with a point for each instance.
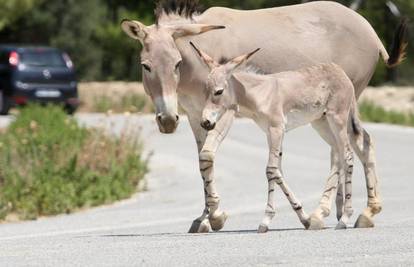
(338, 123)
(208, 143)
(364, 148)
(274, 176)
(324, 208)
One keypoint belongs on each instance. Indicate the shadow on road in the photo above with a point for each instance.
(227, 232)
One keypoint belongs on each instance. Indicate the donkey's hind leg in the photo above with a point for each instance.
(338, 123)
(364, 148)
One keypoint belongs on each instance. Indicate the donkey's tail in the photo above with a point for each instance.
(398, 49)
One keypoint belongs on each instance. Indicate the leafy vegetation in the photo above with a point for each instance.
(50, 165)
(12, 10)
(90, 31)
(372, 113)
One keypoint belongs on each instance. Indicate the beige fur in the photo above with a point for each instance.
(291, 37)
(322, 94)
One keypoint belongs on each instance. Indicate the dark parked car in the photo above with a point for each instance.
(36, 74)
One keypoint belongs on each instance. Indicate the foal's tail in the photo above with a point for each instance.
(398, 49)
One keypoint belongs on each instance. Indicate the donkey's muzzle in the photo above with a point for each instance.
(167, 123)
(208, 125)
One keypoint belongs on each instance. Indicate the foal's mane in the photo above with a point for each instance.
(182, 8)
(252, 69)
(247, 67)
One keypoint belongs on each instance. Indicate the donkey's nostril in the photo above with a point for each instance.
(159, 117)
(177, 117)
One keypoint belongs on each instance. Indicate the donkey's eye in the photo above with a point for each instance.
(146, 67)
(177, 66)
(219, 92)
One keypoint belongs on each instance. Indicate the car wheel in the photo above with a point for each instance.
(4, 104)
(70, 109)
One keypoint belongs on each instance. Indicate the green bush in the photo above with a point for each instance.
(50, 165)
(373, 113)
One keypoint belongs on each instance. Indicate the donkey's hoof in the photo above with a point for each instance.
(364, 222)
(199, 226)
(263, 229)
(315, 223)
(217, 222)
(340, 226)
(339, 215)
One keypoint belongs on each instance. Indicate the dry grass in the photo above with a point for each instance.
(398, 99)
(118, 97)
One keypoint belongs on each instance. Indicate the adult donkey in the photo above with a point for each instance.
(291, 37)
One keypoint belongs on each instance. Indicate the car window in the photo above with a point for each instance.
(42, 58)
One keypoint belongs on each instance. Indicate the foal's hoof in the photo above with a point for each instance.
(217, 222)
(340, 226)
(263, 229)
(199, 226)
(306, 224)
(315, 223)
(364, 222)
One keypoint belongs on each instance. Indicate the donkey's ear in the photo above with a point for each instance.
(236, 62)
(209, 61)
(134, 29)
(192, 29)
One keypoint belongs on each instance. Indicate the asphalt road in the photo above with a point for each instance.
(151, 228)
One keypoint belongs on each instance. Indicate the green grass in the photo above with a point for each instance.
(132, 102)
(50, 165)
(372, 113)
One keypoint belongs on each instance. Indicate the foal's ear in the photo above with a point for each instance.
(236, 62)
(209, 61)
(134, 29)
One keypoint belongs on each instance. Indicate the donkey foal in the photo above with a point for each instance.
(321, 95)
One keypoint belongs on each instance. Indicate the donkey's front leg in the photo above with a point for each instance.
(208, 143)
(275, 177)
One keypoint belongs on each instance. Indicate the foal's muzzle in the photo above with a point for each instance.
(208, 125)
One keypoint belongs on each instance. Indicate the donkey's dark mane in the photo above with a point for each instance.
(223, 60)
(184, 8)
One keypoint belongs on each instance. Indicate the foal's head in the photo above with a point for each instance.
(220, 96)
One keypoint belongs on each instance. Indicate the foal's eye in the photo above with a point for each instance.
(219, 92)
(146, 67)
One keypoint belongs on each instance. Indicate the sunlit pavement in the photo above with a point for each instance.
(150, 228)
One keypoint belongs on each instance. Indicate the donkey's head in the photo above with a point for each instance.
(161, 61)
(221, 97)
